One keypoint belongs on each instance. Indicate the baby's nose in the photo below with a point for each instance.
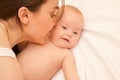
(69, 33)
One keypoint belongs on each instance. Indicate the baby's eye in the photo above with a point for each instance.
(64, 27)
(75, 33)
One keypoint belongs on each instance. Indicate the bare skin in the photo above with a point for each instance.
(50, 62)
(41, 62)
(25, 20)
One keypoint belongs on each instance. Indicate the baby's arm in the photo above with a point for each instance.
(69, 67)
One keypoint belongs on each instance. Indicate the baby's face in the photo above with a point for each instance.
(67, 31)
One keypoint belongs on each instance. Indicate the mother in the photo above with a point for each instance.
(22, 20)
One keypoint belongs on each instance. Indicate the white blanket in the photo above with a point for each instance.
(97, 54)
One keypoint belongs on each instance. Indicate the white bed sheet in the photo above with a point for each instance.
(97, 54)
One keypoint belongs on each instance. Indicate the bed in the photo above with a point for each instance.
(97, 54)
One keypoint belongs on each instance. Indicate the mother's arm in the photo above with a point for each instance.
(10, 69)
(9, 66)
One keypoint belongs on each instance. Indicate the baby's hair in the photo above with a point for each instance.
(75, 9)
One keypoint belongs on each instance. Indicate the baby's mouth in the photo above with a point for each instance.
(66, 39)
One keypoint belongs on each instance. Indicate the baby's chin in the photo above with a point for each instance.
(63, 46)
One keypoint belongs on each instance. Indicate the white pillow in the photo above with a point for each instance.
(98, 51)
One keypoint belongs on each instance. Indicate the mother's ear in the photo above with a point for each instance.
(24, 15)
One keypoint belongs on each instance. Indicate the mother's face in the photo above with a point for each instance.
(42, 21)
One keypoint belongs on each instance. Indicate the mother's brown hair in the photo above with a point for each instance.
(9, 8)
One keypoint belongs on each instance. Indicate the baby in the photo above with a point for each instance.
(41, 62)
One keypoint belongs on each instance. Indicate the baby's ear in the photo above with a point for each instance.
(24, 15)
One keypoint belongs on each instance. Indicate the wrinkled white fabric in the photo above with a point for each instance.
(97, 54)
(7, 52)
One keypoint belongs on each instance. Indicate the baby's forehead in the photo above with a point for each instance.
(71, 9)
(73, 12)
(76, 28)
